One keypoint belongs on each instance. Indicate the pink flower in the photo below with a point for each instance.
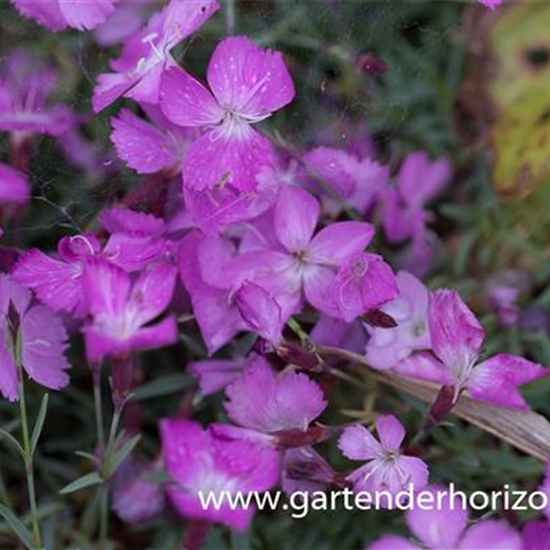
(359, 182)
(363, 282)
(445, 527)
(147, 53)
(24, 90)
(388, 346)
(60, 14)
(266, 403)
(247, 85)
(457, 338)
(42, 339)
(14, 186)
(491, 4)
(122, 312)
(201, 463)
(127, 20)
(404, 215)
(136, 240)
(387, 469)
(301, 261)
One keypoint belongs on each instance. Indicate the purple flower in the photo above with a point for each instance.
(491, 4)
(247, 85)
(199, 462)
(135, 498)
(388, 346)
(136, 240)
(127, 20)
(387, 469)
(42, 340)
(24, 90)
(215, 374)
(302, 261)
(14, 186)
(304, 469)
(363, 282)
(122, 312)
(329, 331)
(503, 292)
(60, 14)
(358, 182)
(457, 338)
(147, 53)
(264, 402)
(445, 528)
(404, 216)
(146, 147)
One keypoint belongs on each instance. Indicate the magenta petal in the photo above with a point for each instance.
(197, 460)
(296, 215)
(247, 79)
(217, 159)
(389, 542)
(337, 242)
(118, 219)
(536, 535)
(109, 87)
(358, 443)
(390, 432)
(268, 402)
(106, 287)
(491, 535)
(163, 333)
(45, 12)
(153, 291)
(86, 14)
(215, 374)
(142, 146)
(133, 252)
(43, 347)
(318, 287)
(456, 333)
(57, 284)
(497, 380)
(425, 366)
(260, 311)
(185, 101)
(441, 527)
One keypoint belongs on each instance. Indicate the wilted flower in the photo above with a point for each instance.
(200, 462)
(388, 346)
(387, 469)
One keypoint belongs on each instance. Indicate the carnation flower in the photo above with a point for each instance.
(199, 461)
(387, 468)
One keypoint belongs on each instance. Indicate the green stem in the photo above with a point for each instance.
(230, 17)
(29, 463)
(98, 406)
(103, 516)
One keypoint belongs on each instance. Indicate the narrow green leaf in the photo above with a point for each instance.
(88, 480)
(6, 435)
(119, 456)
(166, 385)
(20, 530)
(39, 425)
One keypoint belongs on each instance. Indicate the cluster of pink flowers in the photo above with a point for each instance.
(256, 236)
